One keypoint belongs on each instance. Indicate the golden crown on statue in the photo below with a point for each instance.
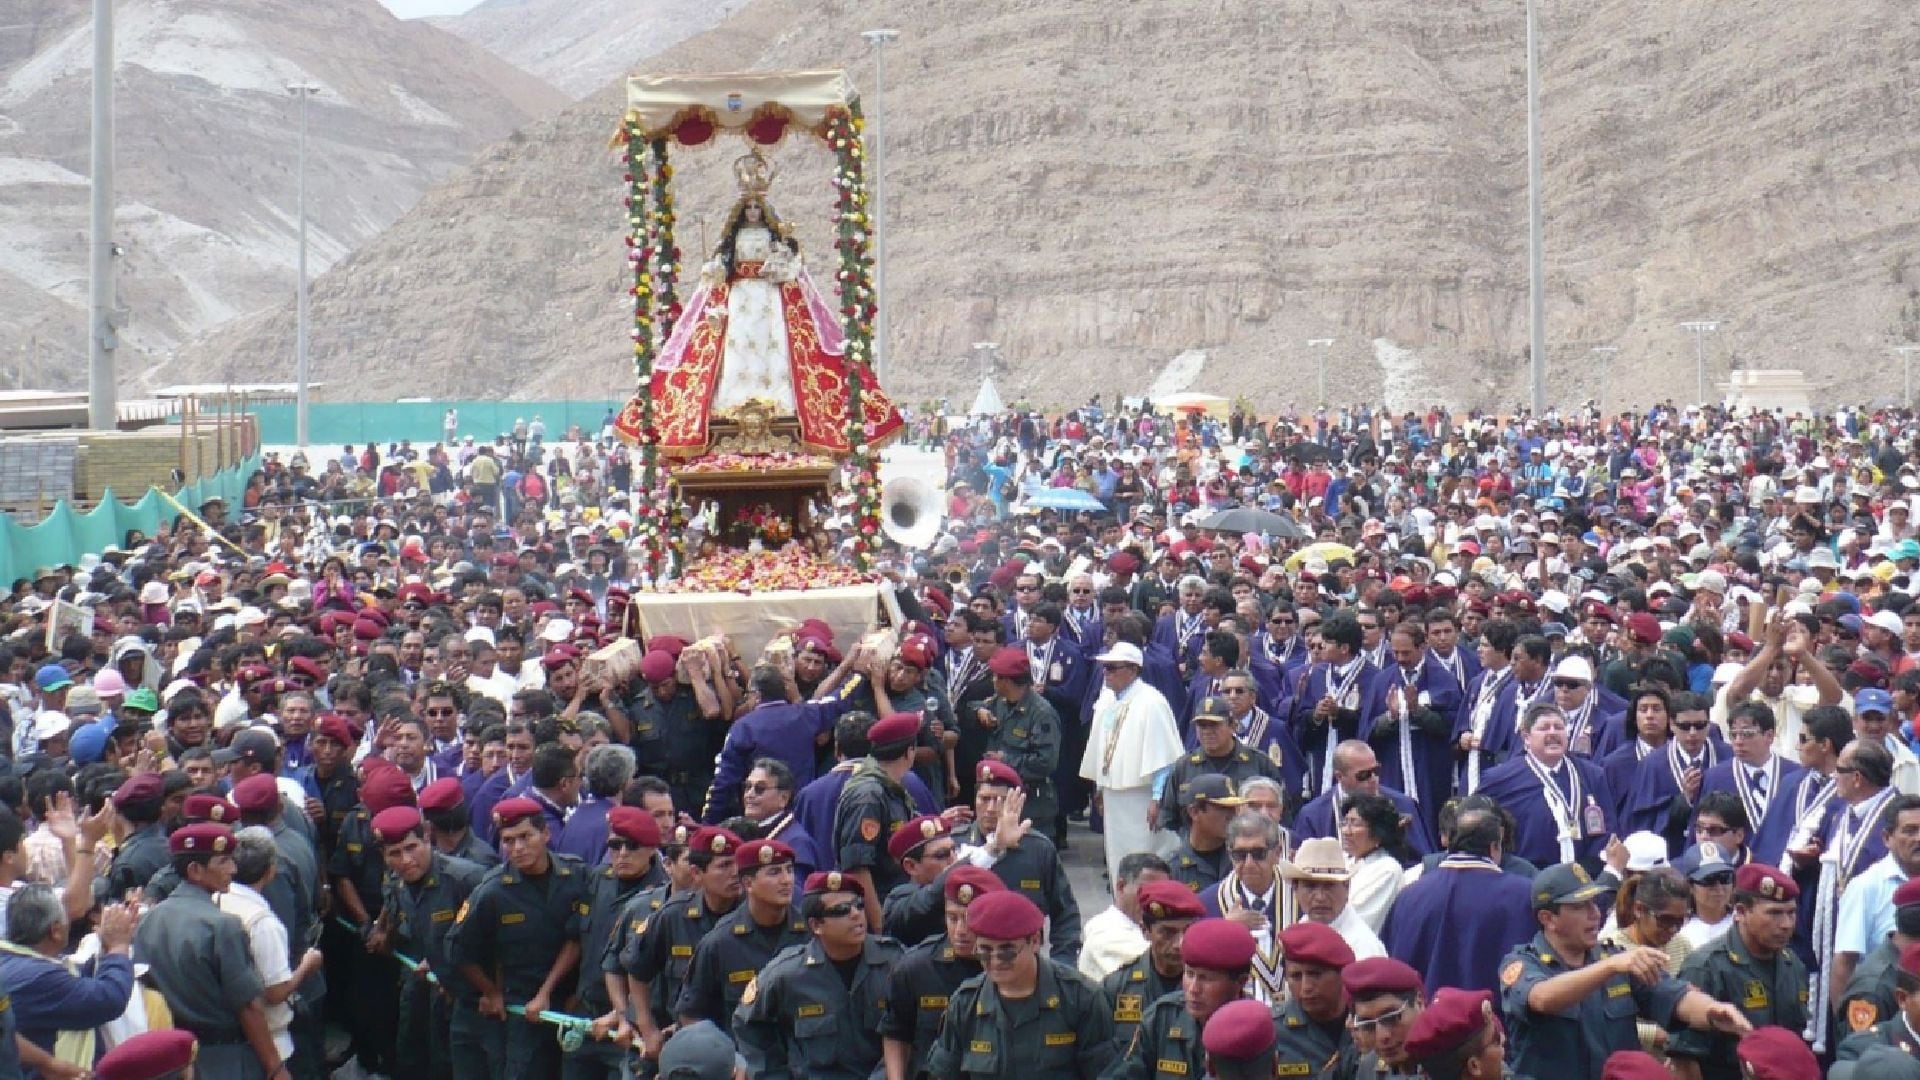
(754, 172)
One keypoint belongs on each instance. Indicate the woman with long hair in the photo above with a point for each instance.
(1375, 840)
(1651, 908)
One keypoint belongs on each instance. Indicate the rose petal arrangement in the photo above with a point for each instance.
(713, 463)
(790, 570)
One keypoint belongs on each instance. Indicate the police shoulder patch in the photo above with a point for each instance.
(1861, 1015)
(1512, 972)
(870, 829)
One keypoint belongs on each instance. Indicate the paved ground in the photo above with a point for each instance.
(1086, 862)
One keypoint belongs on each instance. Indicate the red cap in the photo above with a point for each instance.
(559, 656)
(1738, 640)
(1240, 1031)
(657, 666)
(629, 823)
(1597, 610)
(205, 838)
(390, 826)
(714, 840)
(144, 788)
(939, 600)
(1634, 1065)
(1907, 893)
(674, 646)
(308, 666)
(1774, 1053)
(366, 629)
(997, 772)
(511, 812)
(210, 808)
(755, 854)
(1004, 916)
(414, 592)
(1643, 628)
(918, 650)
(908, 838)
(1168, 900)
(442, 796)
(1315, 943)
(335, 727)
(897, 729)
(257, 794)
(1123, 562)
(1766, 882)
(1010, 662)
(1217, 945)
(1380, 975)
(1448, 1021)
(252, 673)
(148, 1056)
(824, 881)
(967, 881)
(386, 787)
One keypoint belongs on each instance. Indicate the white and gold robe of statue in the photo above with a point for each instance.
(1133, 736)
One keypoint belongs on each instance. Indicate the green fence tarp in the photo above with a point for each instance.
(339, 424)
(64, 535)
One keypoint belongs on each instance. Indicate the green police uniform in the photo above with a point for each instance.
(633, 919)
(1868, 998)
(1576, 1043)
(140, 856)
(660, 951)
(418, 917)
(1198, 869)
(726, 960)
(475, 851)
(374, 982)
(803, 1018)
(1895, 1033)
(1240, 765)
(671, 740)
(1027, 734)
(597, 1060)
(198, 957)
(921, 985)
(514, 926)
(1130, 990)
(1063, 1029)
(871, 807)
(1165, 1045)
(1306, 1047)
(339, 794)
(1034, 870)
(1765, 991)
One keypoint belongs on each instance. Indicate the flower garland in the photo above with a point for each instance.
(857, 308)
(649, 530)
(666, 251)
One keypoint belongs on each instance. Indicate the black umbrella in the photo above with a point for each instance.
(1244, 519)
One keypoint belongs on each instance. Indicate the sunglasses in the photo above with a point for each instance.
(1005, 953)
(839, 911)
(759, 788)
(1258, 854)
(1691, 725)
(1236, 689)
(622, 845)
(1362, 1027)
(1715, 881)
(1568, 684)
(1365, 775)
(440, 712)
(1279, 622)
(1745, 733)
(1713, 830)
(1849, 770)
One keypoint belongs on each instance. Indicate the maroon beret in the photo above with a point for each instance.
(1907, 893)
(1738, 640)
(384, 787)
(442, 796)
(390, 826)
(366, 629)
(1634, 1065)
(308, 666)
(252, 673)
(1380, 975)
(1240, 1031)
(908, 838)
(510, 812)
(657, 666)
(257, 794)
(1168, 900)
(1449, 1020)
(144, 788)
(1774, 1053)
(1315, 943)
(673, 646)
(210, 808)
(558, 657)
(967, 881)
(939, 600)
(1123, 562)
(1766, 882)
(335, 727)
(755, 854)
(997, 772)
(714, 841)
(377, 617)
(917, 650)
(1643, 628)
(629, 823)
(825, 881)
(148, 1056)
(1004, 916)
(1217, 945)
(894, 730)
(1010, 662)
(205, 838)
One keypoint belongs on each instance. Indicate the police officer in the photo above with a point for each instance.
(1458, 1037)
(923, 981)
(739, 945)
(1167, 909)
(1025, 860)
(1023, 729)
(333, 788)
(1565, 996)
(1217, 955)
(1210, 800)
(198, 808)
(1216, 750)
(1868, 998)
(1901, 1031)
(516, 941)
(1023, 1015)
(1386, 997)
(423, 892)
(659, 956)
(924, 848)
(816, 1011)
(444, 804)
(1750, 968)
(872, 806)
(633, 837)
(358, 873)
(199, 958)
(144, 852)
(672, 738)
(1239, 1040)
(1313, 1033)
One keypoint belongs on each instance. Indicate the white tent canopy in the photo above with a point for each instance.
(987, 402)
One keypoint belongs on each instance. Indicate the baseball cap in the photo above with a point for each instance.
(700, 1052)
(52, 677)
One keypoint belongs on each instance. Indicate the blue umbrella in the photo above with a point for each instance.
(1064, 499)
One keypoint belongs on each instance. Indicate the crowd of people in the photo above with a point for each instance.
(1546, 745)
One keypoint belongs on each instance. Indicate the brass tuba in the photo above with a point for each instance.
(910, 512)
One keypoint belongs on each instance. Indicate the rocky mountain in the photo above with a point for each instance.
(1101, 188)
(578, 45)
(206, 160)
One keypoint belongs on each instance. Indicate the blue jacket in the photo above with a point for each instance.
(48, 999)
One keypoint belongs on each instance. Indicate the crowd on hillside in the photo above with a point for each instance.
(1461, 746)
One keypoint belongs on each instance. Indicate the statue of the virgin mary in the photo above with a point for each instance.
(759, 337)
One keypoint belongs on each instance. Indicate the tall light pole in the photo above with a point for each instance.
(1325, 345)
(303, 91)
(1700, 328)
(1907, 356)
(103, 413)
(984, 350)
(1536, 256)
(1604, 357)
(880, 39)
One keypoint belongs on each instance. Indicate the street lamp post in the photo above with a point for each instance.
(882, 353)
(1700, 328)
(1906, 354)
(984, 350)
(103, 411)
(1325, 345)
(1536, 252)
(303, 91)
(1605, 354)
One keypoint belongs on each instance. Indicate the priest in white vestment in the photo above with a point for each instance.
(1133, 742)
